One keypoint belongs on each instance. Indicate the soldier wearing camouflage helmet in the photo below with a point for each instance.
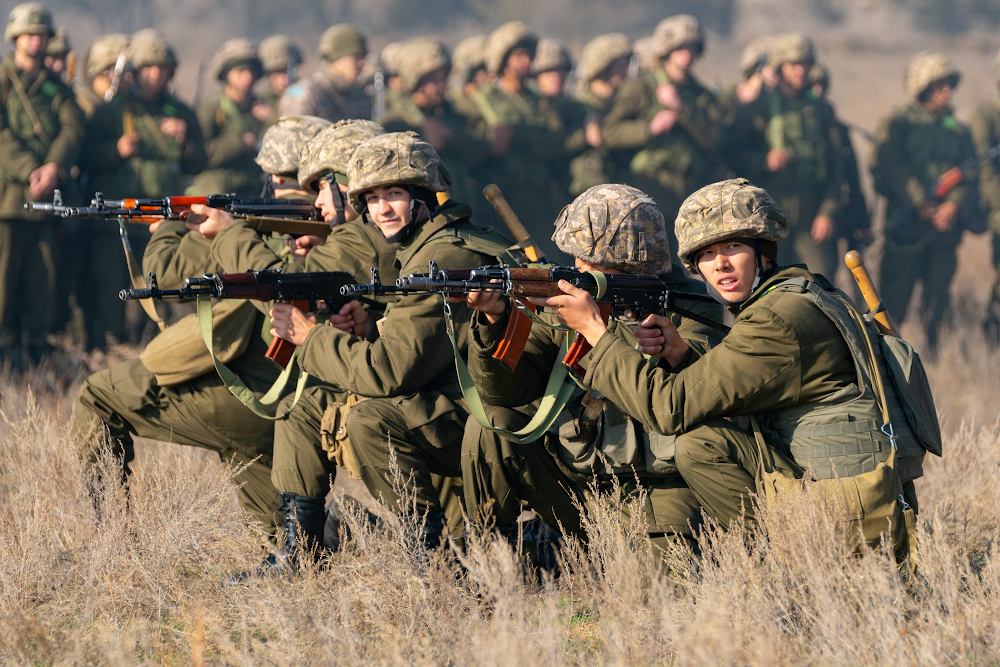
(233, 122)
(468, 73)
(39, 146)
(407, 373)
(99, 71)
(420, 104)
(756, 75)
(281, 58)
(332, 91)
(787, 142)
(985, 128)
(612, 229)
(664, 126)
(56, 52)
(914, 145)
(796, 360)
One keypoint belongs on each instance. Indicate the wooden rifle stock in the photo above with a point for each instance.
(875, 304)
(280, 350)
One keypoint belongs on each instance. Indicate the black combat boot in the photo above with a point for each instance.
(539, 544)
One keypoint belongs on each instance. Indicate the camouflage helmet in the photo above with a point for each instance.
(104, 53)
(390, 56)
(147, 47)
(342, 40)
(754, 55)
(283, 142)
(926, 69)
(615, 226)
(791, 47)
(468, 56)
(819, 74)
(733, 209)
(58, 45)
(236, 52)
(29, 18)
(600, 53)
(644, 49)
(331, 149)
(278, 53)
(398, 158)
(676, 31)
(503, 40)
(550, 56)
(418, 58)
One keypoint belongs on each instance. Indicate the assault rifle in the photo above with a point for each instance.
(615, 294)
(957, 175)
(285, 216)
(302, 290)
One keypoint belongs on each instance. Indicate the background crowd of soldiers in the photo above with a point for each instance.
(506, 108)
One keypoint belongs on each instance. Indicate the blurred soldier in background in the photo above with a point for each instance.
(468, 72)
(102, 58)
(232, 123)
(670, 119)
(39, 145)
(985, 128)
(280, 58)
(787, 142)
(57, 55)
(332, 91)
(756, 74)
(914, 145)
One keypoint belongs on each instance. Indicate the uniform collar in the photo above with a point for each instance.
(449, 214)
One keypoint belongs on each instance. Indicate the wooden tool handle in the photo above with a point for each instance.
(495, 197)
(870, 294)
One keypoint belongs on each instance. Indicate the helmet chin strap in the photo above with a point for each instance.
(338, 199)
(759, 275)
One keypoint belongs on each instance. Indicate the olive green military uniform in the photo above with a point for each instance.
(985, 128)
(49, 132)
(231, 167)
(589, 439)
(810, 185)
(572, 116)
(672, 165)
(912, 149)
(127, 400)
(325, 95)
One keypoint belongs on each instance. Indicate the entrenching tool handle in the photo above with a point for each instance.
(280, 351)
(874, 302)
(521, 235)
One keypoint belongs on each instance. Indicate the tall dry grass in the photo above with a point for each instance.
(85, 580)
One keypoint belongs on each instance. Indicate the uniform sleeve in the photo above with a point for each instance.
(18, 161)
(891, 166)
(296, 101)
(984, 137)
(174, 253)
(625, 125)
(832, 186)
(65, 148)
(239, 248)
(965, 194)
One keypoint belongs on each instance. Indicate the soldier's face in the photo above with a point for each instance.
(681, 59)
(32, 46)
(794, 74)
(940, 96)
(389, 208)
(550, 84)
(240, 78)
(730, 267)
(518, 63)
(433, 86)
(153, 79)
(325, 202)
(279, 81)
(348, 68)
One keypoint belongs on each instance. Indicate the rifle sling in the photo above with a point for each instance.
(236, 386)
(36, 122)
(557, 393)
(135, 276)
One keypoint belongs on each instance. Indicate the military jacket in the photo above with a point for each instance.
(323, 94)
(806, 127)
(912, 149)
(231, 166)
(158, 169)
(86, 98)
(412, 356)
(985, 129)
(682, 159)
(591, 441)
(24, 146)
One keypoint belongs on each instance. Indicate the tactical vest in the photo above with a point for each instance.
(802, 135)
(842, 433)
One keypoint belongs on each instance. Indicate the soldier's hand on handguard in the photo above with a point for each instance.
(576, 309)
(290, 323)
(488, 303)
(352, 318)
(210, 222)
(301, 245)
(658, 337)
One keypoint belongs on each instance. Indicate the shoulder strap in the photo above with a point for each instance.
(485, 108)
(233, 112)
(36, 122)
(483, 240)
(775, 132)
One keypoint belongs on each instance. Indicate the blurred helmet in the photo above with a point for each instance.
(468, 56)
(342, 40)
(236, 52)
(819, 74)
(58, 45)
(104, 53)
(676, 31)
(391, 55)
(615, 226)
(754, 55)
(600, 53)
(399, 158)
(503, 40)
(283, 142)
(550, 55)
(644, 49)
(147, 47)
(29, 18)
(278, 53)
(331, 149)
(418, 58)
(733, 209)
(926, 69)
(791, 47)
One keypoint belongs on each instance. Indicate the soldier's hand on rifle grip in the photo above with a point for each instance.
(576, 309)
(658, 337)
(291, 324)
(214, 220)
